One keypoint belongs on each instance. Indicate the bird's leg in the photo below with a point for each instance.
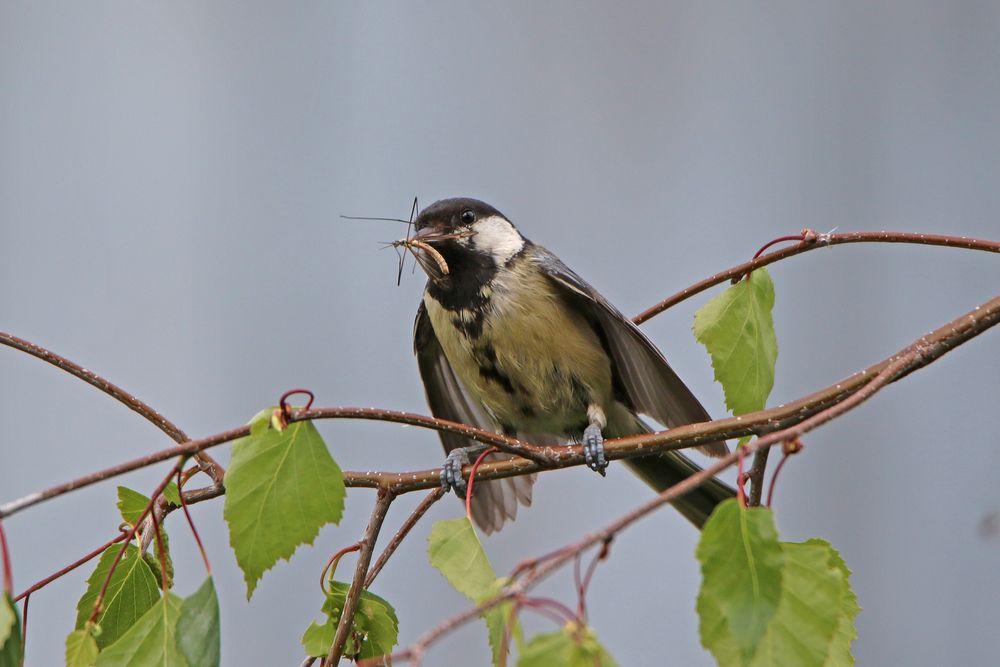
(593, 440)
(451, 471)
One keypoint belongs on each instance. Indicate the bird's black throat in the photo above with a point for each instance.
(468, 272)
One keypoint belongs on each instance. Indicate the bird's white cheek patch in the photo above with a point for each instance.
(496, 236)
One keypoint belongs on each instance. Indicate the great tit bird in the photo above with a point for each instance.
(508, 338)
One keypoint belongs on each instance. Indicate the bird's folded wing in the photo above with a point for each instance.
(640, 370)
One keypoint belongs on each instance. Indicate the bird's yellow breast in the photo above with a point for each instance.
(533, 362)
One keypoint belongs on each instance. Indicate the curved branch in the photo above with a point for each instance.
(814, 240)
(935, 345)
(132, 402)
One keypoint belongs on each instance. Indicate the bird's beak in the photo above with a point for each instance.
(428, 235)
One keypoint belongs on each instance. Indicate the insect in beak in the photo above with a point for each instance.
(417, 247)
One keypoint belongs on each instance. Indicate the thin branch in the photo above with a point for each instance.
(72, 566)
(194, 530)
(385, 498)
(8, 572)
(940, 341)
(404, 530)
(208, 464)
(813, 241)
(788, 448)
(756, 476)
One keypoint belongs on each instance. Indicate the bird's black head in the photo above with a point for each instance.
(473, 238)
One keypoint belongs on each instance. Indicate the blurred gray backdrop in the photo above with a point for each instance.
(171, 176)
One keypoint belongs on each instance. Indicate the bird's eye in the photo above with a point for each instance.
(468, 217)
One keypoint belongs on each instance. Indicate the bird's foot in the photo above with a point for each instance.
(451, 471)
(593, 449)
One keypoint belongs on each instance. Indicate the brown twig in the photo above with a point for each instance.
(940, 341)
(411, 521)
(194, 531)
(72, 566)
(8, 572)
(333, 563)
(472, 478)
(788, 448)
(206, 462)
(756, 476)
(385, 498)
(813, 241)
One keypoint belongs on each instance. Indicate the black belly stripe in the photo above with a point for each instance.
(486, 356)
(473, 328)
(492, 373)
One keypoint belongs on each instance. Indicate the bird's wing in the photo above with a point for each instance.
(640, 371)
(495, 501)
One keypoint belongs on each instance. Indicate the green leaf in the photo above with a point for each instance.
(8, 618)
(572, 646)
(153, 560)
(375, 625)
(802, 630)
(198, 634)
(741, 564)
(840, 647)
(318, 638)
(737, 330)
(11, 650)
(456, 552)
(131, 505)
(813, 625)
(151, 641)
(132, 591)
(81, 649)
(172, 494)
(281, 488)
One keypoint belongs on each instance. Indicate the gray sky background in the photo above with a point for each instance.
(171, 176)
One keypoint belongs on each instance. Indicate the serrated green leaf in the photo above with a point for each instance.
(813, 624)
(172, 494)
(151, 641)
(741, 565)
(131, 504)
(570, 647)
(456, 552)
(132, 591)
(11, 650)
(840, 648)
(737, 329)
(281, 488)
(319, 637)
(803, 627)
(81, 649)
(198, 634)
(375, 625)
